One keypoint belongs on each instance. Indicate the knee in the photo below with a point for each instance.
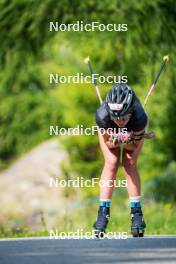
(129, 163)
(111, 163)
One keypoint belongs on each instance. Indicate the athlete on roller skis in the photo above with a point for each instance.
(121, 109)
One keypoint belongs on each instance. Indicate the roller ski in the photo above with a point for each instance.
(101, 222)
(137, 223)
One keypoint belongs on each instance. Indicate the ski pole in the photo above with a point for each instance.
(87, 61)
(165, 60)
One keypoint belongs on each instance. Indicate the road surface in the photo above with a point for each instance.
(86, 251)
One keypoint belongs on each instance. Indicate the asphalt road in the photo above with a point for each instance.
(84, 251)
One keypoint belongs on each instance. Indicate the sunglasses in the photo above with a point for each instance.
(122, 118)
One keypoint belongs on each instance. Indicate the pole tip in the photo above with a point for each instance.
(166, 58)
(86, 60)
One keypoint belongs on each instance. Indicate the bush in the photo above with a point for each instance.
(25, 121)
(162, 188)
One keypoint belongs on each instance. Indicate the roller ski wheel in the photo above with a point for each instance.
(137, 223)
(101, 222)
(136, 232)
(99, 233)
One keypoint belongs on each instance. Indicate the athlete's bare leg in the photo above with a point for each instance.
(130, 157)
(111, 163)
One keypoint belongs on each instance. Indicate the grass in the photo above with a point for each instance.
(160, 218)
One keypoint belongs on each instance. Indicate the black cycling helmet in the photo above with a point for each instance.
(120, 100)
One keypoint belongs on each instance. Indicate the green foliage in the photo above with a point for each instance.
(27, 62)
(163, 188)
(26, 119)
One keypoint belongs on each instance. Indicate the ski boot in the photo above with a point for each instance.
(137, 222)
(101, 222)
